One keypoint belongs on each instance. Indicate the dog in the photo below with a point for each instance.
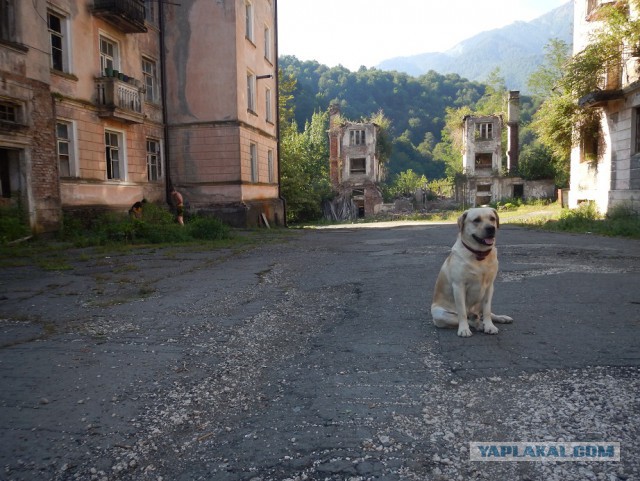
(464, 288)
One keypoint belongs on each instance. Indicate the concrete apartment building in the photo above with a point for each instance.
(486, 179)
(355, 169)
(606, 170)
(85, 124)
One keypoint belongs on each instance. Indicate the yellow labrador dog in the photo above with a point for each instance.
(464, 287)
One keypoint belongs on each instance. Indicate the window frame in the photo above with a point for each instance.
(251, 92)
(253, 159)
(105, 57)
(359, 170)
(357, 137)
(268, 40)
(635, 131)
(248, 22)
(10, 113)
(8, 22)
(154, 160)
(150, 80)
(70, 141)
(270, 165)
(484, 131)
(268, 104)
(60, 34)
(122, 156)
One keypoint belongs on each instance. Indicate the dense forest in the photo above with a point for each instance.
(415, 106)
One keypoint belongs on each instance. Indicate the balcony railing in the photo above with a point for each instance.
(127, 15)
(119, 100)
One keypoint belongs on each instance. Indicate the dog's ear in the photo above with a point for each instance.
(461, 220)
(497, 218)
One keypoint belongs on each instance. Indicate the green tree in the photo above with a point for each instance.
(304, 177)
(406, 183)
(560, 122)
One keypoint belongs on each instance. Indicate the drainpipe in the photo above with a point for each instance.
(163, 90)
(277, 77)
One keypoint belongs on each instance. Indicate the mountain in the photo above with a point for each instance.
(517, 50)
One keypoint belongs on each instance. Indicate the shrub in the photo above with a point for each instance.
(13, 224)
(207, 228)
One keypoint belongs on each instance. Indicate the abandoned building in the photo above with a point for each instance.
(605, 168)
(106, 102)
(355, 169)
(486, 179)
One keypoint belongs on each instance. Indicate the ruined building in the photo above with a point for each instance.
(605, 165)
(106, 102)
(355, 168)
(486, 179)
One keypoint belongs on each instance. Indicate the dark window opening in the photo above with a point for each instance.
(358, 166)
(518, 191)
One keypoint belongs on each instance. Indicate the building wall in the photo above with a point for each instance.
(212, 127)
(26, 146)
(614, 177)
(472, 146)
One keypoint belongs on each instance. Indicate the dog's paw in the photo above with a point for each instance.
(500, 319)
(490, 329)
(464, 331)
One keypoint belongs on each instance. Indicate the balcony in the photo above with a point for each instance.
(126, 15)
(119, 100)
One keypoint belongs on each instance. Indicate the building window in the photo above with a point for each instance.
(114, 155)
(267, 44)
(248, 7)
(356, 137)
(270, 165)
(484, 161)
(7, 20)
(253, 154)
(636, 139)
(251, 92)
(57, 30)
(593, 5)
(150, 80)
(484, 131)
(154, 160)
(64, 142)
(109, 57)
(267, 97)
(150, 11)
(8, 112)
(358, 166)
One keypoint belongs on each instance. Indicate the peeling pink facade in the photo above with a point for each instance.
(85, 124)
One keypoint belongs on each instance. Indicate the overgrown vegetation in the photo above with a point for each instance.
(156, 226)
(13, 224)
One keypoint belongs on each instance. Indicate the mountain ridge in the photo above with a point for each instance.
(516, 49)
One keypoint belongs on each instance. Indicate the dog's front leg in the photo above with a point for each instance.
(459, 296)
(487, 323)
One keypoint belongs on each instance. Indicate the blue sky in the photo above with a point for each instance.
(365, 32)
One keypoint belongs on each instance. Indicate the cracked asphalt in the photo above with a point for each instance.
(315, 358)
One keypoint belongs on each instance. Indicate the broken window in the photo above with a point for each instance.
(154, 160)
(8, 112)
(484, 131)
(113, 155)
(636, 137)
(484, 161)
(358, 166)
(356, 137)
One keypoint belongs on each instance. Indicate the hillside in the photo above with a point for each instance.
(517, 50)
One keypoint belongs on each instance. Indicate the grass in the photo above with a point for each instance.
(110, 234)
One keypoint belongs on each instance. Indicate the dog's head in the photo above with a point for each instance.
(478, 227)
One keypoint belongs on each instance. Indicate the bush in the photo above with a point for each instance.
(156, 226)
(13, 224)
(208, 228)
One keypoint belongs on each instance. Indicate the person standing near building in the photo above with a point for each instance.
(178, 201)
